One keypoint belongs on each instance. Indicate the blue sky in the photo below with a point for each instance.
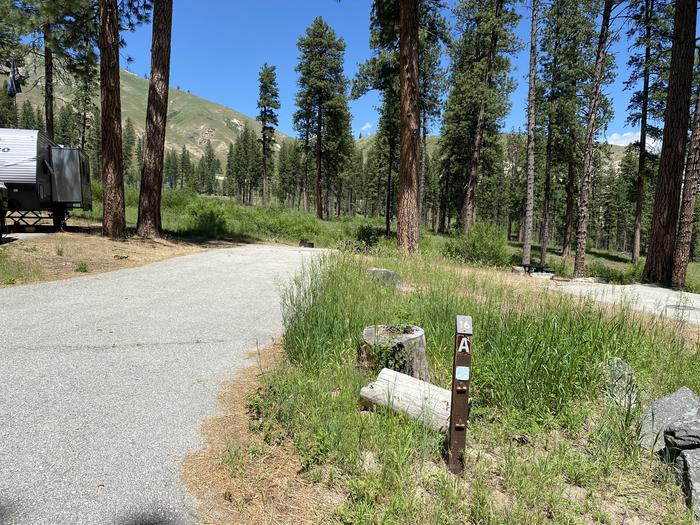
(219, 46)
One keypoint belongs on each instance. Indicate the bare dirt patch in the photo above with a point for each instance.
(64, 255)
(239, 478)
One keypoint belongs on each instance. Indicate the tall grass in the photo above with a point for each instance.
(537, 367)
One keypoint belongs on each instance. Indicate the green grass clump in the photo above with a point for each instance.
(537, 371)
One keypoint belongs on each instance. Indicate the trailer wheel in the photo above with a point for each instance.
(2, 223)
(59, 218)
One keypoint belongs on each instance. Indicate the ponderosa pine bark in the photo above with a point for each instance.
(531, 115)
(469, 207)
(408, 218)
(591, 131)
(149, 220)
(48, 83)
(641, 171)
(681, 256)
(113, 218)
(659, 262)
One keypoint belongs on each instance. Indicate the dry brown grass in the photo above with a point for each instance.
(57, 255)
(238, 478)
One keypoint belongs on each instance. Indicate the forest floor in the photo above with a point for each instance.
(238, 477)
(30, 258)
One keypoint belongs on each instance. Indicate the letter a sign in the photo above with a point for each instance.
(459, 409)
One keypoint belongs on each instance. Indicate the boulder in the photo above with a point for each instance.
(400, 348)
(619, 383)
(687, 467)
(518, 269)
(681, 406)
(542, 275)
(684, 435)
(387, 276)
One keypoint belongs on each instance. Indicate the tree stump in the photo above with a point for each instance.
(400, 348)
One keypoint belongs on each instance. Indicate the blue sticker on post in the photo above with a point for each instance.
(462, 373)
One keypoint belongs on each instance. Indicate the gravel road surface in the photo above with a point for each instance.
(672, 304)
(105, 380)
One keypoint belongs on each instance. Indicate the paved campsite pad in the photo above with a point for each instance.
(678, 306)
(104, 381)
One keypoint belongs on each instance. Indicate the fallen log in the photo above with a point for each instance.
(418, 399)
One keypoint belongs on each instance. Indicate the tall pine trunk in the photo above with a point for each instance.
(266, 181)
(659, 263)
(113, 219)
(389, 190)
(569, 213)
(319, 197)
(589, 148)
(48, 83)
(408, 217)
(149, 221)
(544, 241)
(469, 207)
(531, 114)
(681, 256)
(641, 172)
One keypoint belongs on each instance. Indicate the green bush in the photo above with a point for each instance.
(207, 217)
(131, 197)
(485, 243)
(178, 198)
(368, 235)
(96, 187)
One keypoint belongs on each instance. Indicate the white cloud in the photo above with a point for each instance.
(366, 127)
(630, 137)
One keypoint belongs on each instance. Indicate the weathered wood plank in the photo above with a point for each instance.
(417, 399)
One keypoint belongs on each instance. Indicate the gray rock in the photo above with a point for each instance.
(518, 269)
(687, 466)
(681, 406)
(542, 275)
(683, 435)
(619, 383)
(387, 276)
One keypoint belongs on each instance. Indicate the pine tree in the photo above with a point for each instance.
(649, 65)
(8, 109)
(321, 80)
(149, 219)
(27, 119)
(659, 263)
(268, 104)
(531, 114)
(602, 62)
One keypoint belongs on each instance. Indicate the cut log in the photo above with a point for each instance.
(419, 400)
(399, 348)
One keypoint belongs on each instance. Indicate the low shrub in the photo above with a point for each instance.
(368, 235)
(207, 217)
(178, 198)
(485, 243)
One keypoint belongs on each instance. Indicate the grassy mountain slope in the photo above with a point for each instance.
(192, 120)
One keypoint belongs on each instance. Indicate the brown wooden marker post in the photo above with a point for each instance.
(459, 409)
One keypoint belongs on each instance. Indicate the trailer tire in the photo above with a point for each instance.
(59, 218)
(3, 212)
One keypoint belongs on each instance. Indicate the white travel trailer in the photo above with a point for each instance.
(42, 178)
